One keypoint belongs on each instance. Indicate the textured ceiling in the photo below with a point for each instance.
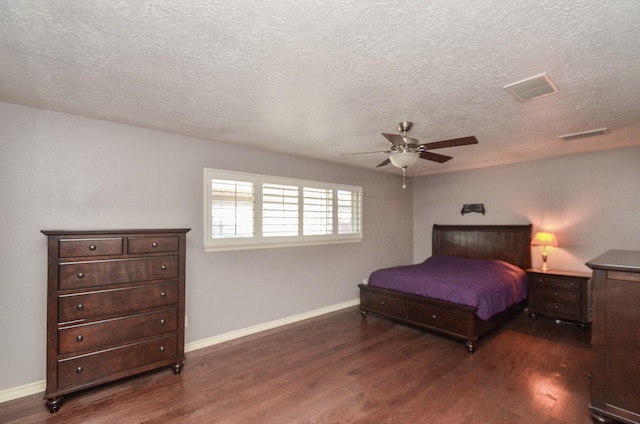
(318, 79)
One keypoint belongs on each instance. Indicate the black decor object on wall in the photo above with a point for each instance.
(473, 207)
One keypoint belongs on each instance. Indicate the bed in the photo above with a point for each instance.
(507, 245)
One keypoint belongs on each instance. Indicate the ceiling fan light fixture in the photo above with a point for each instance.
(404, 159)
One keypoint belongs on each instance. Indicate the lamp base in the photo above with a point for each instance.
(544, 267)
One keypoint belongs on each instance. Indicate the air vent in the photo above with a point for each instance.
(532, 88)
(592, 133)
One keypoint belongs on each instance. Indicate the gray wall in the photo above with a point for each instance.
(591, 201)
(66, 172)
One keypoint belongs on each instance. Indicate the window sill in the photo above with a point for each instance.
(276, 245)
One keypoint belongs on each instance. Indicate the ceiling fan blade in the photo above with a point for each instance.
(435, 157)
(395, 139)
(451, 143)
(365, 153)
(386, 162)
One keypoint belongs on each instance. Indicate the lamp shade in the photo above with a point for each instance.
(544, 239)
(404, 159)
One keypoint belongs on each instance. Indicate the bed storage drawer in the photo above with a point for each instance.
(382, 304)
(444, 320)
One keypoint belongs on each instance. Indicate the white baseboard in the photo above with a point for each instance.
(211, 341)
(21, 391)
(40, 386)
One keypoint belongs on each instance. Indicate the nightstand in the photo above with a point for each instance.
(560, 294)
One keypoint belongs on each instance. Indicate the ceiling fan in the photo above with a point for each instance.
(405, 152)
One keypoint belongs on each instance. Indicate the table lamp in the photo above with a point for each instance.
(544, 239)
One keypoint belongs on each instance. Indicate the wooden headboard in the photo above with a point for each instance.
(509, 243)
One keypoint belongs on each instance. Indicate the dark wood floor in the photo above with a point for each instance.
(341, 369)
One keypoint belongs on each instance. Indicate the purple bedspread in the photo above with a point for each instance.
(489, 285)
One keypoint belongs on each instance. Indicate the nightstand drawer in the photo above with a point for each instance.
(571, 296)
(560, 310)
(558, 282)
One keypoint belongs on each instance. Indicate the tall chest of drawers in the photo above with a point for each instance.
(615, 373)
(115, 306)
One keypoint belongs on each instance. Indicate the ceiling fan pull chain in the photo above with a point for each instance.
(404, 170)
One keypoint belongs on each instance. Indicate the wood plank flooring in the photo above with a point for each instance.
(339, 368)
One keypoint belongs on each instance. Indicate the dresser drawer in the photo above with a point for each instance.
(114, 302)
(72, 248)
(117, 331)
(93, 366)
(383, 304)
(560, 310)
(101, 273)
(441, 319)
(572, 296)
(152, 244)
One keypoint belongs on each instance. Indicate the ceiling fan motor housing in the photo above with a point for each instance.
(405, 126)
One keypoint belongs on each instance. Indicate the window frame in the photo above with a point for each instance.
(258, 241)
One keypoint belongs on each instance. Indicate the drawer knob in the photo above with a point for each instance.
(434, 316)
(92, 247)
(154, 244)
(161, 348)
(162, 322)
(80, 275)
(80, 306)
(163, 295)
(79, 339)
(163, 267)
(555, 294)
(79, 370)
(382, 303)
(556, 307)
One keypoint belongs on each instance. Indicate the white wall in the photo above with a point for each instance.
(591, 201)
(61, 171)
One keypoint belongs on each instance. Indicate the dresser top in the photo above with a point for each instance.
(126, 231)
(559, 272)
(619, 260)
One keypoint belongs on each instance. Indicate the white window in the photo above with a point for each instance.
(279, 210)
(247, 211)
(318, 211)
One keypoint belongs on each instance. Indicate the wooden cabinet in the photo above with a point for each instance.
(560, 294)
(615, 376)
(115, 306)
